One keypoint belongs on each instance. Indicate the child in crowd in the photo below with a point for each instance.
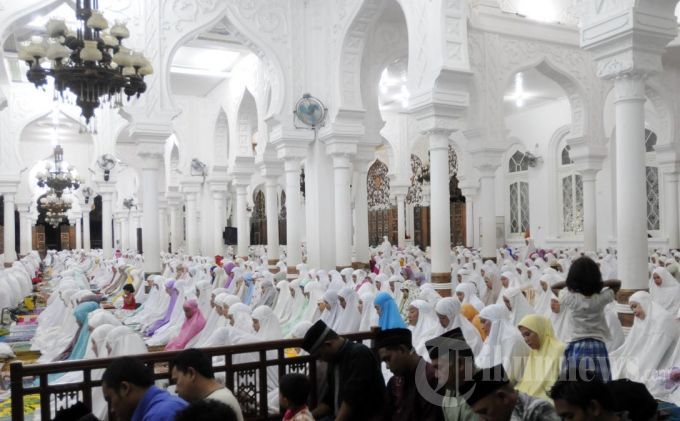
(293, 394)
(586, 295)
(129, 302)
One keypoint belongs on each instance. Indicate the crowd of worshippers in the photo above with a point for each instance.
(522, 327)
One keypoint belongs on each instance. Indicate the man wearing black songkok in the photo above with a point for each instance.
(355, 387)
(411, 392)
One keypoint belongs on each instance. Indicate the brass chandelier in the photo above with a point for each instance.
(55, 208)
(91, 62)
(57, 178)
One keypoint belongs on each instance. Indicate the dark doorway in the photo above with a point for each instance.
(96, 223)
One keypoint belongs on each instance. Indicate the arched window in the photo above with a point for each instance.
(652, 182)
(518, 167)
(572, 195)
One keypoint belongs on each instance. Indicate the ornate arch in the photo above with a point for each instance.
(378, 184)
(221, 138)
(261, 25)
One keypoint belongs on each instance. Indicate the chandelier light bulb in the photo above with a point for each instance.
(97, 21)
(120, 30)
(56, 27)
(90, 52)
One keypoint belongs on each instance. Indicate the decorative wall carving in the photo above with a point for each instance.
(378, 185)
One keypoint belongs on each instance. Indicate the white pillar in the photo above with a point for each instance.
(440, 210)
(488, 213)
(150, 217)
(292, 171)
(175, 225)
(219, 208)
(243, 231)
(469, 222)
(342, 179)
(24, 233)
(106, 223)
(163, 226)
(589, 178)
(361, 209)
(409, 221)
(79, 233)
(132, 230)
(192, 224)
(272, 209)
(671, 208)
(86, 228)
(9, 237)
(124, 232)
(401, 221)
(631, 195)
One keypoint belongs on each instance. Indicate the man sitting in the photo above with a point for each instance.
(493, 398)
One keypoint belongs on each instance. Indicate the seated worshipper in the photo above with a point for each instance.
(313, 292)
(216, 320)
(586, 296)
(294, 391)
(517, 304)
(284, 301)
(469, 312)
(424, 324)
(266, 324)
(616, 335)
(545, 359)
(369, 315)
(665, 290)
(454, 364)
(448, 312)
(504, 343)
(356, 388)
(193, 375)
(239, 317)
(129, 302)
(389, 316)
(128, 387)
(330, 308)
(78, 347)
(467, 294)
(404, 399)
(653, 334)
(193, 324)
(157, 324)
(491, 396)
(349, 318)
(207, 410)
(585, 398)
(561, 322)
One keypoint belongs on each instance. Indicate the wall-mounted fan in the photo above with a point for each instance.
(199, 168)
(107, 162)
(311, 112)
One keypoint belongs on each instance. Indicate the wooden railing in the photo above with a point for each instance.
(247, 380)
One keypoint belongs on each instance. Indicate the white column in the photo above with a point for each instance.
(488, 213)
(292, 170)
(175, 225)
(192, 224)
(409, 221)
(163, 226)
(440, 211)
(342, 179)
(150, 218)
(272, 209)
(631, 195)
(361, 209)
(124, 232)
(9, 237)
(469, 222)
(86, 228)
(106, 224)
(79, 233)
(401, 221)
(219, 207)
(132, 230)
(589, 210)
(671, 208)
(243, 230)
(24, 233)
(30, 223)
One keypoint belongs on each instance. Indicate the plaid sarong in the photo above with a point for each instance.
(587, 355)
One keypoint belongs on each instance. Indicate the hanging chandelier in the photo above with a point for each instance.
(91, 62)
(55, 208)
(57, 178)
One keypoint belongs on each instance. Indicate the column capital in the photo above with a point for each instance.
(629, 39)
(292, 165)
(438, 139)
(8, 185)
(242, 166)
(487, 158)
(588, 175)
(587, 155)
(271, 169)
(668, 157)
(190, 186)
(106, 190)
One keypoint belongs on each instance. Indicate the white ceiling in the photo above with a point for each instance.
(538, 90)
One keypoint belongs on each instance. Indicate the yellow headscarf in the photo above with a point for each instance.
(543, 364)
(471, 313)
